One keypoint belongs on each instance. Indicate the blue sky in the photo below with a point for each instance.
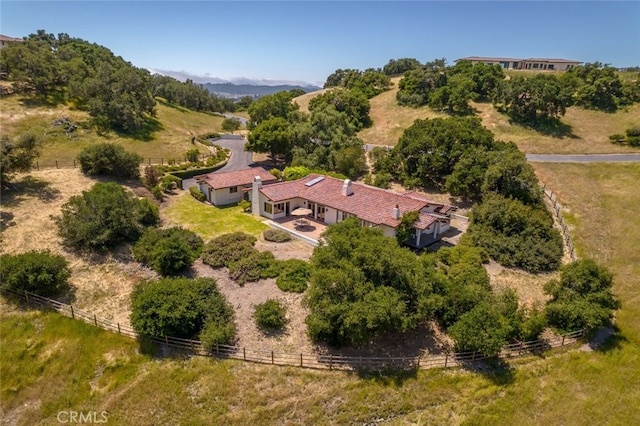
(305, 41)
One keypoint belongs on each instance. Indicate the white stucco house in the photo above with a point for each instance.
(542, 64)
(6, 41)
(229, 187)
(332, 200)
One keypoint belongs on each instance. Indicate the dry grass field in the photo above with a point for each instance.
(168, 135)
(583, 131)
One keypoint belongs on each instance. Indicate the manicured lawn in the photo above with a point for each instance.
(210, 221)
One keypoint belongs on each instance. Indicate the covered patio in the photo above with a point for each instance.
(304, 228)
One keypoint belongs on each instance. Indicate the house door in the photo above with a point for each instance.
(321, 210)
(287, 208)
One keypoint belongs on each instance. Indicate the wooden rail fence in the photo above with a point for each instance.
(317, 361)
(72, 164)
(557, 209)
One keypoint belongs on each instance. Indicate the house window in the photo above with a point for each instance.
(278, 208)
(535, 66)
(233, 189)
(268, 208)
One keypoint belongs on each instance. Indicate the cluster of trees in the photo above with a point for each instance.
(364, 284)
(459, 155)
(532, 99)
(324, 139)
(448, 88)
(109, 159)
(370, 82)
(545, 97)
(189, 95)
(115, 93)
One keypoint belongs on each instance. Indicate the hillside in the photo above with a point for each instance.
(97, 370)
(583, 131)
(166, 136)
(231, 90)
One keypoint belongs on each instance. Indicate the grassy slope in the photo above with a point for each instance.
(572, 388)
(94, 370)
(585, 132)
(169, 134)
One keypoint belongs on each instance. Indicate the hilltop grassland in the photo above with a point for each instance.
(580, 131)
(168, 135)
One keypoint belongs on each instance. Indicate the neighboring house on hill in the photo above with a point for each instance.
(524, 64)
(332, 200)
(6, 41)
(228, 187)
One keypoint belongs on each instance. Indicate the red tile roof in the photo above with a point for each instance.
(368, 203)
(424, 221)
(237, 178)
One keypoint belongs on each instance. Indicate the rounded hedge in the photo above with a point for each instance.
(270, 315)
(40, 272)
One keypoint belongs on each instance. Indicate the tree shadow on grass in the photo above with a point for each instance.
(551, 127)
(393, 377)
(497, 370)
(52, 99)
(146, 133)
(29, 187)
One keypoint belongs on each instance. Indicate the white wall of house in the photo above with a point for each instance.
(225, 196)
(388, 231)
(206, 190)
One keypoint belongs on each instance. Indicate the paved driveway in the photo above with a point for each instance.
(239, 159)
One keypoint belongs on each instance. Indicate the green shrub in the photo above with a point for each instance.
(617, 138)
(256, 266)
(276, 235)
(158, 193)
(181, 307)
(152, 175)
(148, 213)
(197, 194)
(109, 159)
(294, 276)
(276, 172)
(40, 272)
(170, 182)
(582, 298)
(228, 248)
(270, 315)
(245, 205)
(102, 217)
(192, 155)
(168, 251)
(383, 180)
(515, 234)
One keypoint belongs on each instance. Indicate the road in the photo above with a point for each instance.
(239, 159)
(584, 158)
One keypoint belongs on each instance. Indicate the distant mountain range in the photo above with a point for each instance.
(230, 90)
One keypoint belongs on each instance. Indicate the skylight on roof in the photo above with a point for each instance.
(314, 181)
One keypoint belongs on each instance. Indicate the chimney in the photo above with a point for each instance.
(347, 188)
(396, 212)
(255, 195)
